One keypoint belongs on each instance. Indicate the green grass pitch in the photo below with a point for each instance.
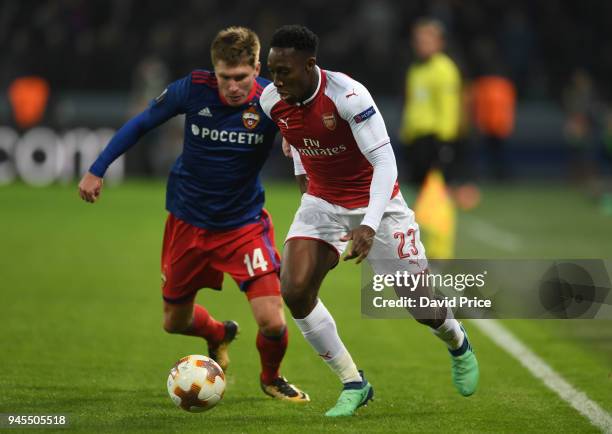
(81, 325)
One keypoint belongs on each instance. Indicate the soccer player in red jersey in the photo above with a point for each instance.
(216, 221)
(347, 171)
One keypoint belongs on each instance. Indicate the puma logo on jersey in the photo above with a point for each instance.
(351, 94)
(205, 112)
(285, 122)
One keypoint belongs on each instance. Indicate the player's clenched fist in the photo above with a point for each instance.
(90, 187)
(363, 238)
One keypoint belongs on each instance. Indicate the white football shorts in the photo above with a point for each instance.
(397, 245)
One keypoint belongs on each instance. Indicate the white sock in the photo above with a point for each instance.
(319, 329)
(450, 332)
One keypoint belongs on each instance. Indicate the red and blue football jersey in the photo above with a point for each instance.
(214, 183)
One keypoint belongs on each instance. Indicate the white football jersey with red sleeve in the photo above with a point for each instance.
(331, 131)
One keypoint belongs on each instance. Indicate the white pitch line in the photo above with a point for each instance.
(492, 235)
(541, 370)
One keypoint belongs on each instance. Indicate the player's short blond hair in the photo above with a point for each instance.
(235, 46)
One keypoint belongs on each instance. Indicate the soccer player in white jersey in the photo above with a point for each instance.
(347, 172)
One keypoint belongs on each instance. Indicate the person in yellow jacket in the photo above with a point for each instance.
(430, 126)
(431, 115)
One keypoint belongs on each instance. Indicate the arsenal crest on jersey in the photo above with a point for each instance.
(250, 118)
(329, 120)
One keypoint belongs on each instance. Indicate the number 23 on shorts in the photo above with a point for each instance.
(411, 249)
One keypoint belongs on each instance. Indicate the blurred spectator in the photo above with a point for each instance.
(164, 143)
(150, 78)
(98, 37)
(581, 108)
(607, 136)
(430, 125)
(377, 15)
(28, 97)
(430, 120)
(518, 43)
(606, 199)
(494, 99)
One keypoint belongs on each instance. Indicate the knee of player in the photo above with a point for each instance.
(293, 294)
(271, 322)
(294, 284)
(272, 327)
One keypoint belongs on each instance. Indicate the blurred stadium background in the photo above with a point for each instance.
(104, 60)
(79, 283)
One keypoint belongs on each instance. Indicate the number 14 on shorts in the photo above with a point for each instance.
(255, 261)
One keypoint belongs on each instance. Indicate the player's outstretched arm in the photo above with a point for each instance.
(90, 187)
(162, 108)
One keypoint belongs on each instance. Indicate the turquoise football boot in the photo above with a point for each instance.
(465, 371)
(353, 396)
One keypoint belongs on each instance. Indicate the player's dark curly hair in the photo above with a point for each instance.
(295, 36)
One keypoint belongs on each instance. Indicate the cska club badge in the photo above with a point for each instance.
(329, 120)
(250, 118)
